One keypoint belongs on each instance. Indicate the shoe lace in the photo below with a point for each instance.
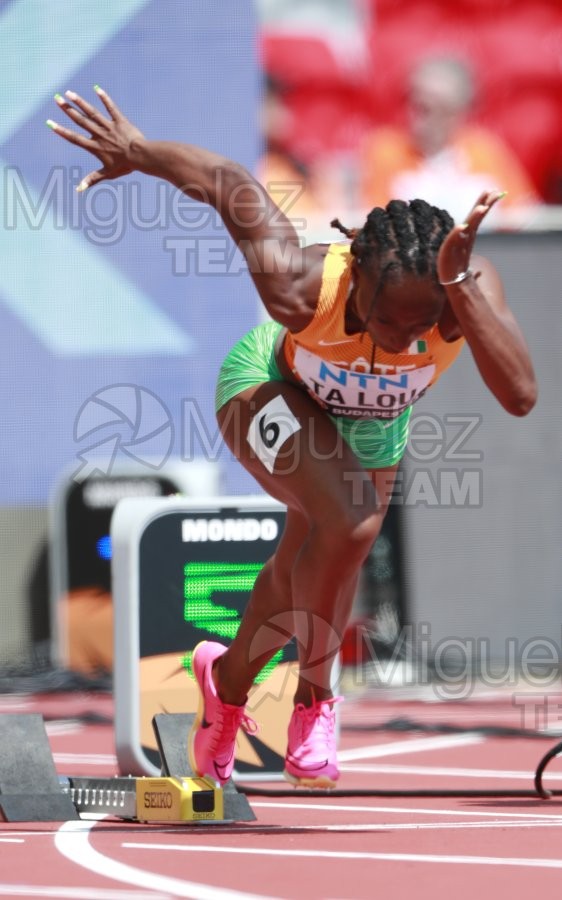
(231, 718)
(320, 716)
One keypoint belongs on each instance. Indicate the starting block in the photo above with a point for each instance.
(32, 791)
(148, 799)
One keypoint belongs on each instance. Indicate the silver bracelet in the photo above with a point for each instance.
(461, 277)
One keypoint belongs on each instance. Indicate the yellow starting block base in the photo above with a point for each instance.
(178, 800)
(163, 798)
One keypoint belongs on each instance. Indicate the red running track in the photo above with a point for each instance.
(322, 847)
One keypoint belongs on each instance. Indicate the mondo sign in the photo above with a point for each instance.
(242, 529)
(182, 572)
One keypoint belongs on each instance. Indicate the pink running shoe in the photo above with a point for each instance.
(311, 759)
(212, 739)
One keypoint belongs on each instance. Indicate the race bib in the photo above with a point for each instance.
(357, 394)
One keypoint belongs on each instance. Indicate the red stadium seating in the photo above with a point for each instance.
(514, 46)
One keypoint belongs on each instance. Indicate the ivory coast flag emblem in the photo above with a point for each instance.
(418, 347)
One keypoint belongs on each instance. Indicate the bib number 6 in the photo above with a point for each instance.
(269, 429)
(269, 432)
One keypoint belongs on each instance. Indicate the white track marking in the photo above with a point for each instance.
(369, 826)
(14, 701)
(72, 841)
(374, 857)
(19, 833)
(77, 893)
(402, 810)
(86, 759)
(417, 745)
(11, 840)
(448, 772)
(63, 726)
(434, 826)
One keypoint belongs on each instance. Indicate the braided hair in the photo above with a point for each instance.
(410, 233)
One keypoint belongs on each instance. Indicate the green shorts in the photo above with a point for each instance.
(377, 443)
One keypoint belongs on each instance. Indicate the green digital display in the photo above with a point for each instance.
(197, 572)
(203, 585)
(203, 581)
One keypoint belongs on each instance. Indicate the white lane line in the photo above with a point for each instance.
(63, 726)
(19, 834)
(15, 701)
(86, 759)
(77, 893)
(430, 826)
(394, 748)
(402, 810)
(72, 841)
(447, 772)
(359, 828)
(375, 857)
(416, 745)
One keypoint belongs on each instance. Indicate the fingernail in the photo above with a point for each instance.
(98, 90)
(50, 123)
(503, 194)
(82, 186)
(464, 226)
(59, 98)
(70, 94)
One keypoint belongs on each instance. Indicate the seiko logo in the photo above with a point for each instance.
(157, 800)
(201, 530)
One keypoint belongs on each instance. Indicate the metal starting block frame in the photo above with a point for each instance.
(32, 791)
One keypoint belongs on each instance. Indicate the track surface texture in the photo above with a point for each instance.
(432, 824)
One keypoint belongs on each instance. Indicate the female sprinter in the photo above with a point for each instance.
(315, 404)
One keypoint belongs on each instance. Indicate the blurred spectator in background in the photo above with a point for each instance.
(288, 180)
(441, 156)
